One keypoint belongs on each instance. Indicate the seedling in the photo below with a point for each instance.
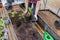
(29, 11)
(13, 14)
(6, 21)
(1, 23)
(21, 16)
(2, 27)
(5, 18)
(1, 33)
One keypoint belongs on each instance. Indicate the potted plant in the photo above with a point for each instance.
(2, 28)
(29, 11)
(1, 23)
(13, 14)
(21, 16)
(1, 33)
(28, 15)
(6, 20)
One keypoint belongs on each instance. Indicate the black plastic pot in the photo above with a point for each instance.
(57, 24)
(27, 19)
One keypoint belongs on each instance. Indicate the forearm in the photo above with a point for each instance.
(26, 4)
(37, 7)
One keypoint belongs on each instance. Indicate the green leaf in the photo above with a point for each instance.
(1, 22)
(29, 13)
(12, 16)
(21, 16)
(1, 32)
(13, 13)
(30, 9)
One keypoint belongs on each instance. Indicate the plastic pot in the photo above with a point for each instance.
(57, 24)
(6, 22)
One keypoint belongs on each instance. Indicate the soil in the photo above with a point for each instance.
(24, 31)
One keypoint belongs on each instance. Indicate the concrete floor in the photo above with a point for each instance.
(53, 5)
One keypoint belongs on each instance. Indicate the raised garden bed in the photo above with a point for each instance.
(24, 31)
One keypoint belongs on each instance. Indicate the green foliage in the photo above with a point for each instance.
(1, 23)
(1, 32)
(5, 18)
(21, 16)
(13, 14)
(29, 11)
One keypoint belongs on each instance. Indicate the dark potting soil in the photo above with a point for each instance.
(24, 31)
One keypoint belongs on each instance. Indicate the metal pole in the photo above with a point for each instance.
(58, 11)
(44, 2)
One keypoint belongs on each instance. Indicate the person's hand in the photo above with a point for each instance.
(25, 11)
(36, 17)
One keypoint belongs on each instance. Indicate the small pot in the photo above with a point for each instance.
(57, 24)
(6, 22)
(27, 19)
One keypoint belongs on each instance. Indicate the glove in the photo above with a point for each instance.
(36, 17)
